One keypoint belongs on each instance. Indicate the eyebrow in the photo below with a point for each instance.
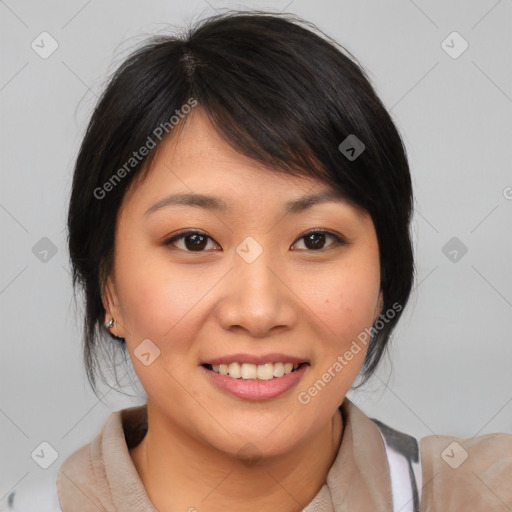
(217, 204)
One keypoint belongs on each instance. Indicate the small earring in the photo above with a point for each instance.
(110, 323)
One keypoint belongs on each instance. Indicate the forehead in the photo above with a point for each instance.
(196, 167)
(197, 142)
(196, 156)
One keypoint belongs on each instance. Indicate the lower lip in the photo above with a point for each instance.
(255, 389)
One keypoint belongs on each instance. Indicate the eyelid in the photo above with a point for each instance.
(339, 239)
(182, 234)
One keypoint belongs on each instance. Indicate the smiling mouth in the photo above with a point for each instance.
(248, 371)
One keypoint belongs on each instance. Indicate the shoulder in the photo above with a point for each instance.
(462, 472)
(95, 475)
(79, 477)
(55, 496)
(78, 468)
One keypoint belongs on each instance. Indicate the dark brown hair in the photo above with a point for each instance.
(277, 90)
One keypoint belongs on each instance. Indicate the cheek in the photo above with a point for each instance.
(343, 302)
(345, 297)
(154, 298)
(356, 302)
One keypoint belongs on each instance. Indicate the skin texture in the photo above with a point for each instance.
(194, 306)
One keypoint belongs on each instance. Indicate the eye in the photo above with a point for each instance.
(192, 241)
(315, 240)
(197, 241)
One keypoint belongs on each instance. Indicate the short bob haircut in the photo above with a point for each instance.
(278, 90)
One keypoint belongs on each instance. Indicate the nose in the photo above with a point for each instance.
(257, 299)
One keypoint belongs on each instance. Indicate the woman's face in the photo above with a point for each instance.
(252, 288)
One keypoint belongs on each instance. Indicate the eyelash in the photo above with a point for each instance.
(338, 240)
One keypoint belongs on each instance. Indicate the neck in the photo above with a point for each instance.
(180, 474)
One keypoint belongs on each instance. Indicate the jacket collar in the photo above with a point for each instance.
(101, 475)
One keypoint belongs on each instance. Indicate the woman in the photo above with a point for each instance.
(239, 223)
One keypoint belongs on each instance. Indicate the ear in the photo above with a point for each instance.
(110, 299)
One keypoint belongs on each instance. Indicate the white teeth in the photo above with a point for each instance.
(265, 371)
(278, 369)
(235, 370)
(247, 371)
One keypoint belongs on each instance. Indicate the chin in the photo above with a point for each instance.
(257, 441)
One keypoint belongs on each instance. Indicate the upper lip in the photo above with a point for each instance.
(256, 359)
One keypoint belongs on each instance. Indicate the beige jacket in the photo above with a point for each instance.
(101, 476)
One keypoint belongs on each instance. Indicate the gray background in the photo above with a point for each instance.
(452, 353)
